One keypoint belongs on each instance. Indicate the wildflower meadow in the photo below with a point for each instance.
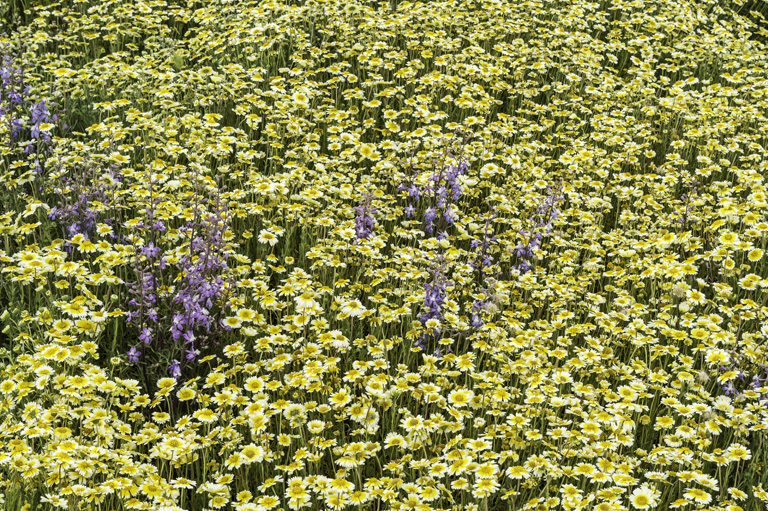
(453, 255)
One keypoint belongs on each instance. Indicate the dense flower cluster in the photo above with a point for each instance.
(430, 256)
(182, 317)
(202, 291)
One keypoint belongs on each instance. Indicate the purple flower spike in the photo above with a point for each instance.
(365, 223)
(441, 190)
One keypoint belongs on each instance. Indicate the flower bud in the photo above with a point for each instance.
(679, 291)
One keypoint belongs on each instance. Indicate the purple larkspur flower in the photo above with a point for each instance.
(150, 250)
(365, 223)
(146, 335)
(175, 369)
(133, 355)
